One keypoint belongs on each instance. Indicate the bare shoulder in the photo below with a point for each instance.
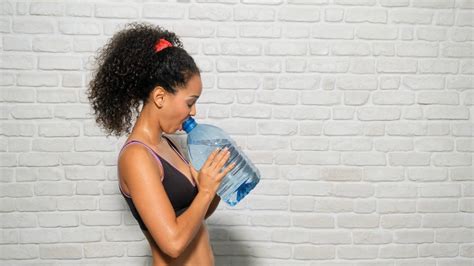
(137, 160)
(142, 175)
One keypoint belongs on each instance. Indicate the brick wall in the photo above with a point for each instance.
(357, 112)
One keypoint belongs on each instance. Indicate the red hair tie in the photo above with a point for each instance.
(162, 44)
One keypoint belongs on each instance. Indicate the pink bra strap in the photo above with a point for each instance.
(152, 152)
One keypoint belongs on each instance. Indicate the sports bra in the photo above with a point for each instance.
(180, 190)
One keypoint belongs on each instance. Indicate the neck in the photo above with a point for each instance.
(147, 126)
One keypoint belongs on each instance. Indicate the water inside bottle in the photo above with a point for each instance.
(239, 181)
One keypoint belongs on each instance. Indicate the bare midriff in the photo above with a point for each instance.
(198, 252)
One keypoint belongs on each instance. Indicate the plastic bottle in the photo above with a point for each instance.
(202, 139)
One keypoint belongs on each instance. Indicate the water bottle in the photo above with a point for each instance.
(202, 140)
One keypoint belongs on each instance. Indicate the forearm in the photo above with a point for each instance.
(189, 223)
(213, 206)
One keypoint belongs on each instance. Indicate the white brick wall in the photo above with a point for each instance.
(359, 114)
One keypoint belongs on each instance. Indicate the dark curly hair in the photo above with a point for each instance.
(128, 69)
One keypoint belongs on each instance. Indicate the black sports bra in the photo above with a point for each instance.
(180, 190)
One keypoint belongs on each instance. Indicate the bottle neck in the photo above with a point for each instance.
(189, 124)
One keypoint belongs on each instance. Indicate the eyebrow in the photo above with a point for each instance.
(195, 96)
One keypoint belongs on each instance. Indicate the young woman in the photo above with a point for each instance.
(146, 65)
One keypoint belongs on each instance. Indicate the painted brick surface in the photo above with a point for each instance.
(359, 115)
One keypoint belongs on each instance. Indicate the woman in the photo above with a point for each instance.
(146, 65)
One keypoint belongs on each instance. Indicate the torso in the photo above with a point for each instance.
(199, 251)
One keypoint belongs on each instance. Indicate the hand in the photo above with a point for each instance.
(211, 174)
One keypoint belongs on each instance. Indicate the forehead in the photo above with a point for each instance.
(193, 86)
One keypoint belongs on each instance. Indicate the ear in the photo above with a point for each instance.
(158, 96)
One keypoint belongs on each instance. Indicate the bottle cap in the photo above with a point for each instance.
(189, 124)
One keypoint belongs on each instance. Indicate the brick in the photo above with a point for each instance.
(284, 48)
(437, 205)
(247, 13)
(243, 82)
(424, 82)
(333, 14)
(341, 174)
(427, 174)
(395, 221)
(370, 32)
(354, 48)
(412, 16)
(72, 111)
(333, 32)
(309, 144)
(387, 206)
(303, 188)
(163, 11)
(357, 252)
(377, 174)
(464, 18)
(62, 251)
(263, 31)
(399, 251)
(58, 220)
(387, 65)
(358, 221)
(34, 79)
(438, 250)
(394, 3)
(442, 220)
(457, 50)
(79, 28)
(79, 9)
(13, 43)
(314, 157)
(462, 35)
(452, 159)
(328, 65)
(33, 25)
(212, 13)
(8, 61)
(372, 15)
(280, 97)
(438, 190)
(19, 252)
(51, 44)
(356, 83)
(454, 236)
(447, 113)
(299, 14)
(414, 49)
(393, 144)
(372, 237)
(307, 252)
(259, 66)
(445, 98)
(431, 34)
(17, 129)
(378, 114)
(18, 220)
(115, 11)
(60, 63)
(460, 83)
(356, 2)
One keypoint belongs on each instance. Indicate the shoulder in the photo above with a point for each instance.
(137, 160)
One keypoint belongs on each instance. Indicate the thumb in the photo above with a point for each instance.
(194, 172)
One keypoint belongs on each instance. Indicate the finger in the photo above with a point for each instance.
(211, 157)
(218, 157)
(194, 172)
(223, 160)
(226, 170)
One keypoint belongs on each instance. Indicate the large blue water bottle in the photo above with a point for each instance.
(202, 141)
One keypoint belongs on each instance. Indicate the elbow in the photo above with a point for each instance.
(173, 249)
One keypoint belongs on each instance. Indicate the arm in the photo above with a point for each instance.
(213, 206)
(143, 178)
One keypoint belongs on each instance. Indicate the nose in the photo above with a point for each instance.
(193, 110)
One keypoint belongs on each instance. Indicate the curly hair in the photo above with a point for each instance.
(128, 69)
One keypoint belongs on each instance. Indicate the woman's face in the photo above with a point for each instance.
(179, 106)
